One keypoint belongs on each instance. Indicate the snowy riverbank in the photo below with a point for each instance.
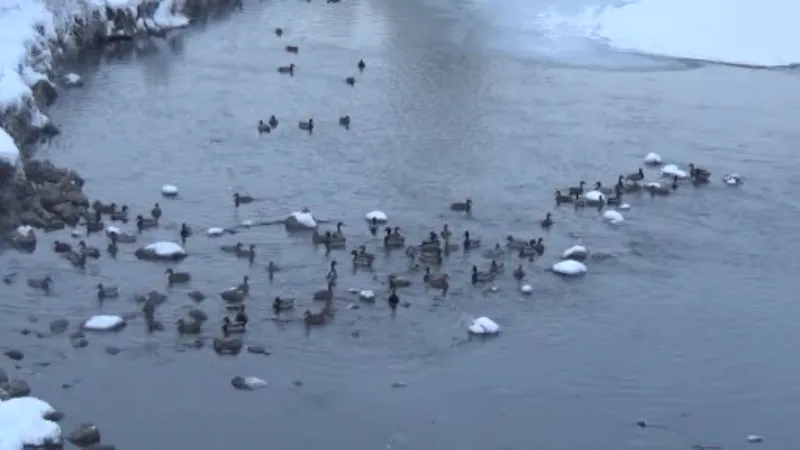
(37, 35)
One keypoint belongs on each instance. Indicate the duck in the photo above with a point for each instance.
(539, 246)
(561, 198)
(188, 326)
(249, 253)
(465, 206)
(229, 327)
(263, 127)
(273, 121)
(495, 252)
(698, 174)
(306, 125)
(469, 242)
(143, 224)
(338, 234)
(577, 189)
(636, 176)
(360, 260)
(519, 273)
(104, 292)
(332, 274)
(396, 282)
(350, 81)
(446, 233)
(177, 277)
(344, 121)
(112, 248)
(393, 239)
(598, 186)
(61, 247)
(547, 222)
(43, 283)
(102, 208)
(529, 251)
(93, 226)
(121, 215)
(361, 65)
(432, 257)
(495, 267)
(282, 304)
(292, 49)
(185, 232)
(623, 186)
(393, 299)
(318, 318)
(241, 316)
(241, 199)
(324, 294)
(362, 252)
(77, 259)
(616, 199)
(279, 32)
(440, 281)
(287, 69)
(155, 213)
(90, 252)
(657, 189)
(244, 286)
(515, 243)
(481, 277)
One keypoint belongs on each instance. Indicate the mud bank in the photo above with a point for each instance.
(42, 37)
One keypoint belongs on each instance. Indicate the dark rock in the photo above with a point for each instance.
(77, 335)
(147, 255)
(197, 315)
(228, 345)
(79, 343)
(3, 376)
(257, 350)
(54, 416)
(44, 92)
(84, 435)
(59, 326)
(111, 350)
(14, 354)
(17, 388)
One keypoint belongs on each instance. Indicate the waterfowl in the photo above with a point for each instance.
(519, 273)
(539, 246)
(177, 277)
(282, 304)
(657, 189)
(393, 239)
(240, 199)
(393, 299)
(287, 69)
(495, 267)
(306, 125)
(249, 253)
(432, 257)
(93, 226)
(77, 259)
(396, 282)
(244, 286)
(324, 294)
(272, 268)
(362, 261)
(292, 49)
(188, 326)
(155, 213)
(362, 252)
(465, 206)
(121, 215)
(616, 199)
(515, 243)
(43, 283)
(350, 80)
(598, 186)
(577, 189)
(241, 316)
(90, 252)
(481, 277)
(697, 173)
(273, 121)
(361, 65)
(579, 201)
(495, 252)
(232, 248)
(623, 186)
(445, 233)
(441, 281)
(112, 248)
(104, 292)
(185, 232)
(102, 208)
(344, 121)
(279, 32)
(263, 127)
(529, 251)
(636, 176)
(561, 198)
(470, 243)
(229, 327)
(332, 274)
(61, 247)
(143, 224)
(318, 318)
(547, 222)
(120, 236)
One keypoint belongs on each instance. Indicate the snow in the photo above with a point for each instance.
(113, 230)
(164, 18)
(215, 231)
(165, 248)
(526, 289)
(103, 323)
(22, 424)
(483, 325)
(305, 219)
(577, 252)
(379, 216)
(569, 267)
(72, 79)
(9, 152)
(613, 216)
(169, 190)
(652, 158)
(671, 170)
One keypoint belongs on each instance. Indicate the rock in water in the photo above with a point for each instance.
(84, 435)
(247, 383)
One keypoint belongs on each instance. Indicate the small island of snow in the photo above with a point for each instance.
(104, 323)
(22, 424)
(483, 325)
(378, 216)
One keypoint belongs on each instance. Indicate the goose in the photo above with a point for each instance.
(306, 125)
(332, 275)
(441, 281)
(361, 65)
(90, 252)
(155, 213)
(495, 252)
(93, 226)
(623, 186)
(577, 189)
(350, 80)
(232, 248)
(529, 251)
(43, 283)
(362, 252)
(449, 246)
(446, 233)
(396, 282)
(143, 224)
(61, 247)
(241, 316)
(112, 248)
(244, 286)
(481, 277)
(579, 201)
(320, 238)
(324, 294)
(279, 32)
(362, 261)
(241, 199)
(263, 127)
(104, 292)
(393, 239)
(432, 257)
(393, 299)
(102, 208)
(177, 277)
(282, 304)
(495, 268)
(273, 121)
(636, 176)
(338, 234)
(515, 243)
(561, 198)
(547, 222)
(539, 246)
(249, 253)
(188, 326)
(292, 49)
(185, 232)
(233, 295)
(470, 243)
(318, 318)
(465, 206)
(287, 69)
(344, 121)
(598, 186)
(698, 173)
(229, 327)
(616, 199)
(121, 215)
(519, 273)
(77, 259)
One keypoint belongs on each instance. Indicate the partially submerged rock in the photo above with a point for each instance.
(248, 383)
(161, 251)
(23, 424)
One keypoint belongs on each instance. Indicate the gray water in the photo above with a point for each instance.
(688, 322)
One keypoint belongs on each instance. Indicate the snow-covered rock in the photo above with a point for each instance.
(613, 216)
(301, 220)
(576, 252)
(652, 159)
(22, 424)
(366, 296)
(72, 80)
(526, 289)
(164, 18)
(378, 216)
(9, 153)
(248, 383)
(104, 322)
(169, 190)
(161, 251)
(483, 325)
(569, 267)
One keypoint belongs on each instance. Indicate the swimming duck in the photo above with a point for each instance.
(309, 125)
(350, 80)
(104, 292)
(373, 226)
(636, 176)
(529, 251)
(561, 198)
(292, 49)
(393, 299)
(188, 326)
(396, 282)
(362, 252)
(332, 275)
(598, 186)
(547, 222)
(393, 239)
(324, 294)
(232, 248)
(279, 32)
(432, 257)
(249, 253)
(515, 243)
(344, 121)
(102, 208)
(318, 318)
(61, 247)
(623, 186)
(361, 65)
(121, 215)
(519, 273)
(465, 206)
(470, 243)
(495, 267)
(143, 224)
(155, 213)
(273, 121)
(539, 246)
(616, 199)
(239, 199)
(177, 277)
(90, 252)
(577, 190)
(241, 316)
(698, 174)
(43, 283)
(287, 69)
(76, 258)
(185, 232)
(112, 248)
(282, 304)
(229, 327)
(263, 127)
(244, 286)
(362, 261)
(338, 233)
(495, 252)
(437, 281)
(481, 277)
(93, 226)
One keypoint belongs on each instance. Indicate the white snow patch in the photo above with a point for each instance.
(379, 216)
(22, 424)
(164, 17)
(9, 153)
(73, 79)
(483, 325)
(169, 190)
(165, 248)
(103, 323)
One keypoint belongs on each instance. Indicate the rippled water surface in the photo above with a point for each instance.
(688, 322)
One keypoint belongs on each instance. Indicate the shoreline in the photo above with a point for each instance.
(44, 37)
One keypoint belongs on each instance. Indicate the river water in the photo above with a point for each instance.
(682, 324)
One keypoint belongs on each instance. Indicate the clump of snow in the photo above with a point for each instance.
(613, 216)
(25, 230)
(73, 79)
(576, 252)
(483, 325)
(366, 296)
(104, 323)
(378, 216)
(303, 219)
(166, 16)
(22, 424)
(169, 190)
(215, 231)
(9, 153)
(165, 248)
(569, 267)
